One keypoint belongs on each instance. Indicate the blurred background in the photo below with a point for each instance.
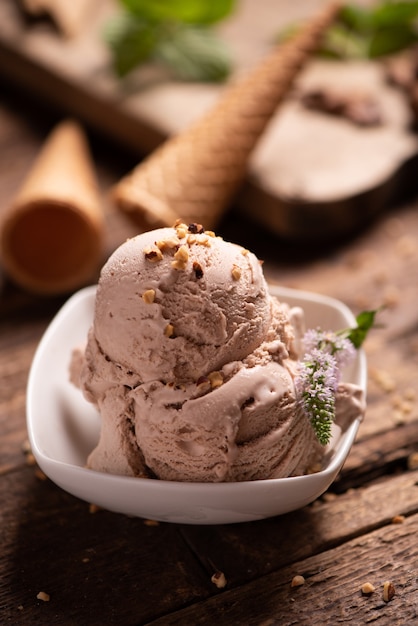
(338, 151)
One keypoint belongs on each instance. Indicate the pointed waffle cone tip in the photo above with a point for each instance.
(194, 175)
(52, 235)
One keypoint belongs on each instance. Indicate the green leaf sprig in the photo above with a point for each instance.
(364, 322)
(384, 28)
(326, 354)
(175, 34)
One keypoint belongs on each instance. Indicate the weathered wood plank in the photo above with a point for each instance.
(137, 567)
(332, 591)
(98, 568)
(378, 456)
(286, 539)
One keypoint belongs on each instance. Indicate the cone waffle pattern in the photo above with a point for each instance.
(194, 175)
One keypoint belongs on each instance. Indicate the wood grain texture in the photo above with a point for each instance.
(332, 591)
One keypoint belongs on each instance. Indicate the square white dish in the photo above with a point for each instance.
(63, 428)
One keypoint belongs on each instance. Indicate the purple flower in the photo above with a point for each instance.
(320, 371)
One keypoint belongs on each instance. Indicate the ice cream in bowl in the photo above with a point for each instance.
(185, 389)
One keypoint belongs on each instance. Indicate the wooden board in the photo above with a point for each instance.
(310, 173)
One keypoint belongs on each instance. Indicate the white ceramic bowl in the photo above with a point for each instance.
(63, 428)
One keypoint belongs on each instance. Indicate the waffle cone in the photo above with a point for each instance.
(51, 237)
(194, 175)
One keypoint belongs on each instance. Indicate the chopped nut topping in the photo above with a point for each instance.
(398, 519)
(204, 241)
(245, 252)
(203, 384)
(198, 271)
(314, 469)
(191, 239)
(42, 595)
(168, 244)
(148, 296)
(153, 254)
(388, 591)
(218, 579)
(169, 330)
(215, 379)
(297, 581)
(367, 589)
(195, 228)
(210, 233)
(180, 258)
(181, 229)
(236, 272)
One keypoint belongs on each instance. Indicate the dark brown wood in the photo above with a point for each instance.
(332, 590)
(103, 568)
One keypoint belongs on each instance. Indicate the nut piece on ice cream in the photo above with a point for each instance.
(168, 308)
(191, 364)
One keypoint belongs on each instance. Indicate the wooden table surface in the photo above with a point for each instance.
(102, 568)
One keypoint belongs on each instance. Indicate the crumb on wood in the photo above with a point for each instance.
(391, 297)
(42, 595)
(40, 475)
(367, 588)
(297, 581)
(219, 579)
(406, 246)
(388, 591)
(383, 379)
(26, 447)
(329, 496)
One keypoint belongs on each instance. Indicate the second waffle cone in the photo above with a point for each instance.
(194, 175)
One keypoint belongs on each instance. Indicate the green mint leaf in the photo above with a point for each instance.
(389, 14)
(365, 321)
(131, 41)
(391, 39)
(357, 19)
(194, 53)
(187, 11)
(322, 428)
(342, 43)
(361, 32)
